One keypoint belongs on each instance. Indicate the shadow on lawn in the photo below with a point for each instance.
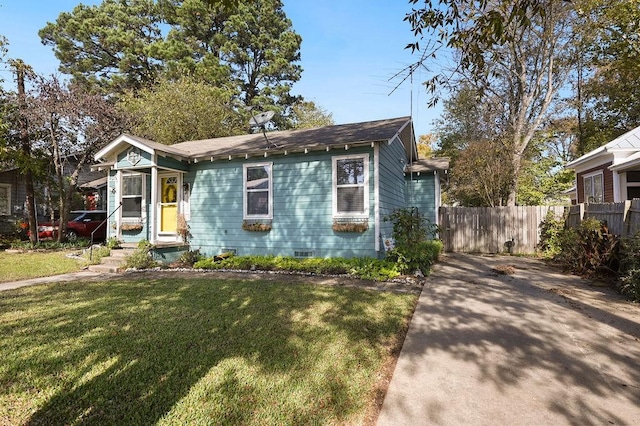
(130, 351)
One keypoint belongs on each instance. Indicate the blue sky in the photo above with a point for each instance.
(350, 51)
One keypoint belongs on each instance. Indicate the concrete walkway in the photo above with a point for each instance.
(74, 276)
(534, 348)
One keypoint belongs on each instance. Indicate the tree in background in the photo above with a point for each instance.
(262, 49)
(248, 47)
(17, 144)
(513, 55)
(307, 115)
(425, 145)
(69, 122)
(182, 110)
(607, 97)
(481, 176)
(110, 47)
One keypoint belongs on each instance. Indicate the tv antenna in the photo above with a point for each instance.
(259, 121)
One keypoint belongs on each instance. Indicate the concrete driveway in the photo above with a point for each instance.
(538, 347)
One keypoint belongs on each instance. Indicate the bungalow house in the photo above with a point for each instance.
(320, 192)
(610, 173)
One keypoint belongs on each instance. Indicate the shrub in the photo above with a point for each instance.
(414, 246)
(141, 258)
(364, 268)
(50, 245)
(551, 229)
(94, 255)
(189, 258)
(630, 268)
(589, 248)
(112, 242)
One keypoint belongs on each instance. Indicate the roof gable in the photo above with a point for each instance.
(628, 142)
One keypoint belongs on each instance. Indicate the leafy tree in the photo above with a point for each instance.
(71, 123)
(307, 115)
(481, 175)
(247, 46)
(262, 49)
(610, 46)
(464, 119)
(186, 109)
(512, 53)
(109, 45)
(480, 171)
(425, 145)
(17, 146)
(193, 44)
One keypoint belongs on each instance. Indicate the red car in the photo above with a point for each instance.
(81, 225)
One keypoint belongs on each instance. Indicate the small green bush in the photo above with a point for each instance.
(141, 258)
(112, 242)
(94, 255)
(630, 268)
(551, 229)
(415, 247)
(188, 258)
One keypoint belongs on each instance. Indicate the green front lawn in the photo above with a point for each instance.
(194, 351)
(22, 266)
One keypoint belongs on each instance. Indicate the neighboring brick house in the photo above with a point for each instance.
(610, 173)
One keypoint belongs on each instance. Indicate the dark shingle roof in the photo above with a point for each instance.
(428, 165)
(342, 134)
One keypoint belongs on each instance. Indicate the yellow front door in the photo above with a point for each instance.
(169, 204)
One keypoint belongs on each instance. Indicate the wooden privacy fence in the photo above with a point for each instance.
(490, 229)
(621, 218)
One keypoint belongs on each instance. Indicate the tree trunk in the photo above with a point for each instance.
(25, 147)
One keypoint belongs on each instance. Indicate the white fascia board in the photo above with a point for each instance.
(110, 149)
(591, 163)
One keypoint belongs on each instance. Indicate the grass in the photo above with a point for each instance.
(199, 351)
(22, 266)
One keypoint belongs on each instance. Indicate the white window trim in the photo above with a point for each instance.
(245, 215)
(9, 206)
(142, 195)
(584, 186)
(334, 185)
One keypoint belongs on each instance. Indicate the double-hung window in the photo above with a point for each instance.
(132, 196)
(351, 186)
(593, 188)
(258, 194)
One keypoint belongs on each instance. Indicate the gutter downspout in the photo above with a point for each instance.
(376, 195)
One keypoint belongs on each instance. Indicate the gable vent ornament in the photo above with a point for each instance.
(133, 156)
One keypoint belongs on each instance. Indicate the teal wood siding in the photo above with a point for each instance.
(302, 208)
(143, 234)
(122, 161)
(422, 194)
(172, 163)
(392, 183)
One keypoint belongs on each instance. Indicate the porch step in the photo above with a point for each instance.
(113, 262)
(103, 268)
